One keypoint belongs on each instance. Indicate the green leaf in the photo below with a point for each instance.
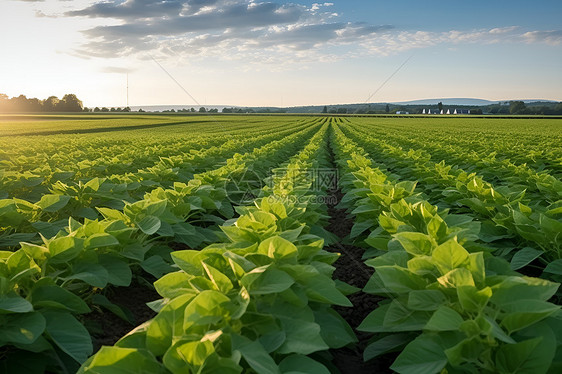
(278, 248)
(119, 272)
(449, 255)
(156, 266)
(100, 240)
(254, 354)
(524, 257)
(91, 273)
(444, 319)
(400, 280)
(523, 313)
(303, 337)
(266, 280)
(53, 203)
(117, 360)
(174, 284)
(221, 281)
(149, 225)
(518, 358)
(64, 249)
(24, 328)
(334, 330)
(299, 364)
(428, 300)
(58, 298)
(69, 335)
(554, 267)
(424, 355)
(415, 243)
(14, 303)
(385, 344)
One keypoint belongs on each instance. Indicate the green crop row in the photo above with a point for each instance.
(48, 284)
(451, 306)
(259, 300)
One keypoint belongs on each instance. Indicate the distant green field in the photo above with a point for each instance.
(439, 239)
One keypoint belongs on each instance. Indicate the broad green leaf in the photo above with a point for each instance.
(64, 249)
(299, 364)
(13, 303)
(53, 203)
(426, 300)
(266, 280)
(415, 243)
(554, 267)
(118, 271)
(424, 355)
(303, 337)
(449, 255)
(149, 225)
(523, 357)
(385, 344)
(167, 324)
(456, 278)
(101, 240)
(221, 281)
(444, 319)
(69, 334)
(174, 284)
(254, 354)
(523, 313)
(58, 298)
(91, 273)
(117, 360)
(524, 257)
(400, 280)
(473, 299)
(278, 248)
(334, 330)
(22, 328)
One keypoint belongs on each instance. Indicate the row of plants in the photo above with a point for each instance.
(167, 163)
(535, 143)
(505, 213)
(47, 285)
(494, 167)
(451, 306)
(21, 220)
(256, 301)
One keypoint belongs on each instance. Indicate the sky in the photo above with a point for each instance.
(278, 53)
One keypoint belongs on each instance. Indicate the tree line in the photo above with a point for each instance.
(22, 104)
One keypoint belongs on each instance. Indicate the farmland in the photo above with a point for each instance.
(280, 244)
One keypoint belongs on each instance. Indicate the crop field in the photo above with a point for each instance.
(280, 244)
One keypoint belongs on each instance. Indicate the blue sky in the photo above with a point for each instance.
(254, 53)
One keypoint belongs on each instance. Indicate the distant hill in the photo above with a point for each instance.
(448, 101)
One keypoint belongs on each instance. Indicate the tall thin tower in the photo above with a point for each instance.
(127, 89)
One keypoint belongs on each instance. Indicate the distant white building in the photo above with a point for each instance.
(448, 111)
(461, 111)
(423, 112)
(402, 112)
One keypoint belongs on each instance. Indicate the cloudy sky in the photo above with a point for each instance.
(277, 53)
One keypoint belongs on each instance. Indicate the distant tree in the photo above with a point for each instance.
(192, 110)
(440, 106)
(476, 111)
(332, 111)
(126, 109)
(97, 109)
(325, 109)
(387, 109)
(342, 110)
(113, 110)
(69, 103)
(202, 110)
(516, 107)
(141, 110)
(104, 109)
(50, 104)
